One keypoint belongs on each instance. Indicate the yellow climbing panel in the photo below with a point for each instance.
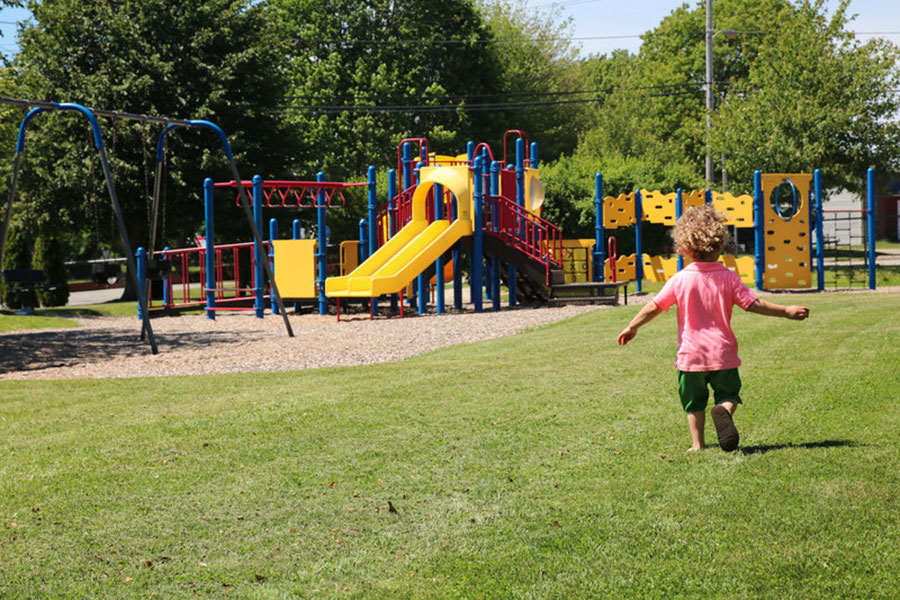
(786, 231)
(658, 207)
(618, 211)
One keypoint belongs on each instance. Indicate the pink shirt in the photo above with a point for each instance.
(705, 293)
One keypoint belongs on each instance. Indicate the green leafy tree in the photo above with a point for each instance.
(794, 91)
(815, 98)
(541, 77)
(17, 256)
(50, 259)
(217, 60)
(347, 54)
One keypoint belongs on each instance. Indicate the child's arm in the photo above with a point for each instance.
(647, 314)
(761, 307)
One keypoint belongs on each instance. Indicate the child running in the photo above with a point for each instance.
(704, 292)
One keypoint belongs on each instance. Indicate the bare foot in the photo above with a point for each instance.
(696, 448)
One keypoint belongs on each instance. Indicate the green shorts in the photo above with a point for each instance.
(694, 393)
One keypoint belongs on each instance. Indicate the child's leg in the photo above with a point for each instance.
(696, 423)
(729, 406)
(694, 395)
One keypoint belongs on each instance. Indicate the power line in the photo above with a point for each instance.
(446, 42)
(456, 97)
(480, 40)
(433, 108)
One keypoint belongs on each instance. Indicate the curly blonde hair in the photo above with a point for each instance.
(701, 233)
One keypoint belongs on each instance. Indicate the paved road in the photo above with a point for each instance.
(94, 296)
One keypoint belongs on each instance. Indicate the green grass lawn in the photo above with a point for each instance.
(63, 316)
(550, 464)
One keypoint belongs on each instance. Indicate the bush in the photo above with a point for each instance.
(17, 256)
(48, 257)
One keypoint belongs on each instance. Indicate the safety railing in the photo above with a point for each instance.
(394, 215)
(184, 282)
(528, 233)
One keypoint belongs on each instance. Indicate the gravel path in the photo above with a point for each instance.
(238, 342)
(191, 344)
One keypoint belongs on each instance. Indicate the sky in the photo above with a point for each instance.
(621, 22)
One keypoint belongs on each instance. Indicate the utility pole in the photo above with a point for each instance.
(709, 91)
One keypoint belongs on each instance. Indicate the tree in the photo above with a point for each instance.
(352, 60)
(816, 97)
(49, 258)
(540, 76)
(795, 91)
(17, 257)
(216, 60)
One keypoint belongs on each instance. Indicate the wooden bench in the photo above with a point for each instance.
(27, 280)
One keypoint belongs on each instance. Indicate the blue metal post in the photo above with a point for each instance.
(373, 214)
(495, 260)
(363, 252)
(870, 216)
(470, 150)
(758, 229)
(322, 252)
(534, 155)
(259, 257)
(210, 249)
(679, 209)
(477, 242)
(439, 263)
(820, 248)
(141, 258)
(638, 249)
(295, 234)
(407, 166)
(457, 269)
(273, 235)
(421, 280)
(392, 193)
(167, 282)
(599, 254)
(373, 224)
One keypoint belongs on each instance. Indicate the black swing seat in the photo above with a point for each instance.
(25, 280)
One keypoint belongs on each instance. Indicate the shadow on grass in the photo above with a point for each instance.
(763, 448)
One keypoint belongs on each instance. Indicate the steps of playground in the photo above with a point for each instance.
(524, 264)
(588, 293)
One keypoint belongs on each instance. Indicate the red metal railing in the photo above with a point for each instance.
(296, 194)
(400, 211)
(421, 153)
(526, 232)
(185, 286)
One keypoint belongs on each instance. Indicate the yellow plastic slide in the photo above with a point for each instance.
(415, 247)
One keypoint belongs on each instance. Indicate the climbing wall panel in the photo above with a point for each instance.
(786, 231)
(618, 211)
(739, 209)
(658, 207)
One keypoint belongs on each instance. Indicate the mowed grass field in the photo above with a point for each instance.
(550, 464)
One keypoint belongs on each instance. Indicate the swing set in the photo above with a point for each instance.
(141, 284)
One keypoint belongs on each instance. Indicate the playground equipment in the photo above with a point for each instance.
(37, 108)
(441, 207)
(140, 282)
(418, 244)
(438, 208)
(783, 230)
